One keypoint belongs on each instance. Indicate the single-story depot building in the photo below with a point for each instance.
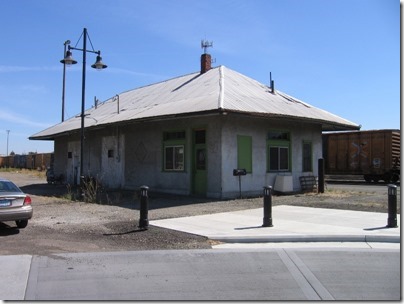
(186, 135)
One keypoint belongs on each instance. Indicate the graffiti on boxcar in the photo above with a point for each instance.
(359, 154)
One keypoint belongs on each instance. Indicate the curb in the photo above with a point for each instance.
(307, 238)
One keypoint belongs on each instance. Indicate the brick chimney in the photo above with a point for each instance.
(206, 63)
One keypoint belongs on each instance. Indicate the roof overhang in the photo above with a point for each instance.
(325, 125)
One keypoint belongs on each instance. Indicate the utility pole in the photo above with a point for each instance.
(8, 132)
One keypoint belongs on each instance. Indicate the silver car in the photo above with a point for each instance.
(15, 205)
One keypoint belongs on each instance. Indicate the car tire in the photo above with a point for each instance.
(21, 223)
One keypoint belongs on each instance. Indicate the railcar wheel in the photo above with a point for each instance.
(395, 178)
(367, 178)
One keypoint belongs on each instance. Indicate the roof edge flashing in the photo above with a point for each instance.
(221, 87)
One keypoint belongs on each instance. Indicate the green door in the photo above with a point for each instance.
(199, 162)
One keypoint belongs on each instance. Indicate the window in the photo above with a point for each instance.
(278, 158)
(244, 153)
(278, 145)
(276, 135)
(307, 157)
(69, 155)
(174, 151)
(174, 158)
(200, 137)
(110, 153)
(200, 159)
(178, 135)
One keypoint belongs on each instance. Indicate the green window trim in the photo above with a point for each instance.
(279, 156)
(244, 153)
(174, 151)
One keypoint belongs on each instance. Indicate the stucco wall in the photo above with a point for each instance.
(112, 160)
(258, 128)
(63, 165)
(144, 159)
(213, 142)
(144, 156)
(138, 154)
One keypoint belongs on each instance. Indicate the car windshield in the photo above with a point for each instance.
(7, 186)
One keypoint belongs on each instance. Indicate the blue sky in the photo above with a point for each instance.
(342, 56)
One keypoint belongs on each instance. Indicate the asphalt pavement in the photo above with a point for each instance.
(229, 272)
(221, 274)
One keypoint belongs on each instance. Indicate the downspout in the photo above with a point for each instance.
(222, 123)
(119, 158)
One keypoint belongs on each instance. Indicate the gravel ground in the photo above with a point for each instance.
(61, 225)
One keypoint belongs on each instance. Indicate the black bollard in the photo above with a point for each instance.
(267, 207)
(392, 206)
(144, 208)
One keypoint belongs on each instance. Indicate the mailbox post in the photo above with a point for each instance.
(239, 173)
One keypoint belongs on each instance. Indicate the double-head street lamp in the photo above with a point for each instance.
(99, 65)
(67, 42)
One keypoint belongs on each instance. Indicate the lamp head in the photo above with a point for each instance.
(68, 60)
(99, 65)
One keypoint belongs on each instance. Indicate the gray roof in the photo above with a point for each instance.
(218, 90)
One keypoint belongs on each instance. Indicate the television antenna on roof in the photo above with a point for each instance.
(205, 44)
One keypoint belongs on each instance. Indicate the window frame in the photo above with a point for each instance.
(282, 142)
(171, 140)
(174, 160)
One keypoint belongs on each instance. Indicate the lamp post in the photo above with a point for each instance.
(65, 55)
(68, 60)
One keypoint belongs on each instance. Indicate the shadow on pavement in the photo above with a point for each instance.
(123, 198)
(6, 230)
(246, 228)
(44, 189)
(123, 233)
(377, 228)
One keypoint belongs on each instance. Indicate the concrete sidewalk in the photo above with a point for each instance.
(15, 272)
(290, 224)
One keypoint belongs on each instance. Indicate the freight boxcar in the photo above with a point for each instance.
(375, 154)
